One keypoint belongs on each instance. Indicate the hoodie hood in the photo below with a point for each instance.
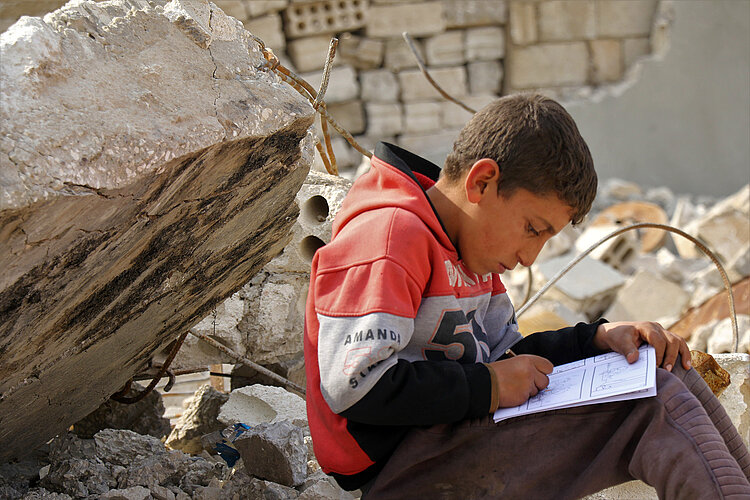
(397, 178)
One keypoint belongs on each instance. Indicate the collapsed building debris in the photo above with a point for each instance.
(149, 169)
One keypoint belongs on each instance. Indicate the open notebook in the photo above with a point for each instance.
(599, 379)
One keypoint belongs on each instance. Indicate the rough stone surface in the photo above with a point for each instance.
(342, 84)
(523, 23)
(257, 404)
(415, 87)
(445, 49)
(419, 19)
(563, 20)
(379, 85)
(144, 417)
(199, 418)
(129, 206)
(275, 452)
(548, 65)
(648, 297)
(485, 44)
(467, 13)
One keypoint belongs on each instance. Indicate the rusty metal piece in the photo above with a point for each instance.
(715, 376)
(121, 397)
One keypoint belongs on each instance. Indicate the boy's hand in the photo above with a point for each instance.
(625, 337)
(520, 378)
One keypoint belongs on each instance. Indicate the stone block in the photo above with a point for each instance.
(384, 119)
(485, 44)
(547, 65)
(587, 288)
(323, 17)
(606, 56)
(360, 52)
(454, 117)
(199, 418)
(523, 22)
(309, 53)
(257, 8)
(342, 84)
(445, 49)
(258, 404)
(421, 117)
(350, 115)
(567, 20)
(419, 19)
(469, 13)
(649, 297)
(268, 28)
(433, 146)
(485, 77)
(274, 452)
(379, 85)
(398, 55)
(415, 87)
(621, 19)
(722, 337)
(634, 49)
(234, 8)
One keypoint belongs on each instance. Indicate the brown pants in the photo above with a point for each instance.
(681, 442)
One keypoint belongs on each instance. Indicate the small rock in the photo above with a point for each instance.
(134, 493)
(199, 418)
(275, 452)
(257, 404)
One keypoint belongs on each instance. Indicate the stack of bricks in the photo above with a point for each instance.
(475, 49)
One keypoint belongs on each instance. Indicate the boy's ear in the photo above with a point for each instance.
(484, 175)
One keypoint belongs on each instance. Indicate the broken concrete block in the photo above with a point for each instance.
(309, 53)
(199, 418)
(734, 398)
(123, 447)
(323, 487)
(648, 297)
(268, 28)
(419, 19)
(143, 186)
(323, 16)
(360, 52)
(588, 287)
(132, 493)
(721, 338)
(79, 478)
(468, 13)
(350, 115)
(275, 452)
(144, 417)
(257, 404)
(617, 251)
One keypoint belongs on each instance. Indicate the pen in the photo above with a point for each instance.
(510, 353)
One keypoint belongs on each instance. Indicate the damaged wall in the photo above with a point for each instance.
(147, 170)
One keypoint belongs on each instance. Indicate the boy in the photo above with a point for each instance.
(407, 324)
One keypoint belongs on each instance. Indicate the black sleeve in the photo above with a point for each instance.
(562, 346)
(425, 393)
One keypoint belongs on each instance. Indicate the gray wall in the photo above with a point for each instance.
(685, 123)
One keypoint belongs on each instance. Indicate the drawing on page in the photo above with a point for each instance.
(618, 374)
(569, 366)
(561, 389)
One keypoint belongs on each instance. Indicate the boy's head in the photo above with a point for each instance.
(537, 147)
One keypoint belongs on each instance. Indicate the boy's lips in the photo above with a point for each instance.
(501, 269)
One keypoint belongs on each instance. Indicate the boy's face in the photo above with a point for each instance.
(499, 231)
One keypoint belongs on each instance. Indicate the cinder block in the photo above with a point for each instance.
(617, 252)
(469, 13)
(485, 77)
(257, 8)
(455, 117)
(634, 49)
(648, 297)
(379, 85)
(523, 22)
(268, 28)
(342, 84)
(588, 287)
(547, 65)
(361, 53)
(398, 55)
(567, 20)
(607, 61)
(234, 8)
(415, 87)
(384, 119)
(323, 17)
(445, 49)
(421, 117)
(433, 146)
(350, 115)
(309, 54)
(483, 44)
(620, 19)
(419, 19)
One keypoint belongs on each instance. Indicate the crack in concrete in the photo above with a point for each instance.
(216, 86)
(94, 190)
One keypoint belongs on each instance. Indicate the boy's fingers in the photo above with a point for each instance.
(685, 355)
(670, 356)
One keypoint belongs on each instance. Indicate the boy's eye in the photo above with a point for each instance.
(531, 230)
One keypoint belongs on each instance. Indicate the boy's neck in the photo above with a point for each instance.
(445, 197)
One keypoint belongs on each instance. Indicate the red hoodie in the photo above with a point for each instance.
(397, 330)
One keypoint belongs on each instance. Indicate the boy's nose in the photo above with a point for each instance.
(528, 254)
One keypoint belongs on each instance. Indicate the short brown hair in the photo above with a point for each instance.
(537, 145)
